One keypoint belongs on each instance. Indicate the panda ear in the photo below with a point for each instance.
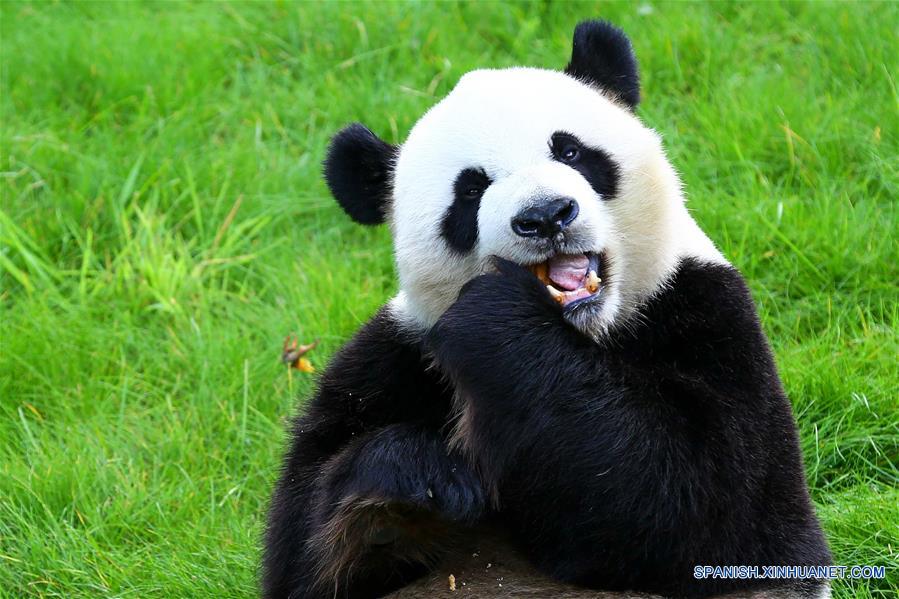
(357, 170)
(601, 55)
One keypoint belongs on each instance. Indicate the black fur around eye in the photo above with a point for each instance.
(460, 223)
(594, 164)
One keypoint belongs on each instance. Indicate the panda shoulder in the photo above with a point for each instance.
(710, 290)
(706, 304)
(382, 349)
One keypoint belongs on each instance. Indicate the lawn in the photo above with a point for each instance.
(164, 225)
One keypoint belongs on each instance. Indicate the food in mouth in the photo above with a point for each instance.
(569, 278)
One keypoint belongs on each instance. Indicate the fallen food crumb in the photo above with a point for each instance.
(452, 582)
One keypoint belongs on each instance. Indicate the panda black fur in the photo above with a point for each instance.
(618, 441)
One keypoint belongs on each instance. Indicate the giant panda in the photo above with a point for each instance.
(569, 363)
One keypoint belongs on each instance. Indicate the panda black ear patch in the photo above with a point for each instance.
(601, 54)
(357, 170)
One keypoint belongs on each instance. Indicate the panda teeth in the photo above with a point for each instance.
(556, 294)
(592, 282)
(542, 272)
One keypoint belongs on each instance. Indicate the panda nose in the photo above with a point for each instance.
(546, 219)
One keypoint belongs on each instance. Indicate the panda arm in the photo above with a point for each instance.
(513, 360)
(366, 453)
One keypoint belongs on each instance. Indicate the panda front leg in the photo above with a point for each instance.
(370, 518)
(386, 507)
(368, 491)
(501, 345)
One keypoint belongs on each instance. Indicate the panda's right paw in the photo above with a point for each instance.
(406, 467)
(392, 499)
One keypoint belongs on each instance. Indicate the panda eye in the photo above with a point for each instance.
(473, 192)
(470, 185)
(570, 153)
(566, 148)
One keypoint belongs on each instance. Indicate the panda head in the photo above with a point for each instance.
(549, 169)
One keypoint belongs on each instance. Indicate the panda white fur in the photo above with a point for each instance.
(569, 361)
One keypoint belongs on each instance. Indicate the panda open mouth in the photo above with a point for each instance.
(571, 279)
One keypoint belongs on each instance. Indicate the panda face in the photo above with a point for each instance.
(547, 169)
(522, 164)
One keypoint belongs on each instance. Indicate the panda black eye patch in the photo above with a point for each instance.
(594, 164)
(460, 223)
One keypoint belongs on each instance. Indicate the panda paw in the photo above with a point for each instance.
(408, 467)
(510, 291)
(496, 307)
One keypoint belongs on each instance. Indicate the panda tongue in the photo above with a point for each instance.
(568, 271)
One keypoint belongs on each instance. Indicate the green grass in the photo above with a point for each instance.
(164, 226)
